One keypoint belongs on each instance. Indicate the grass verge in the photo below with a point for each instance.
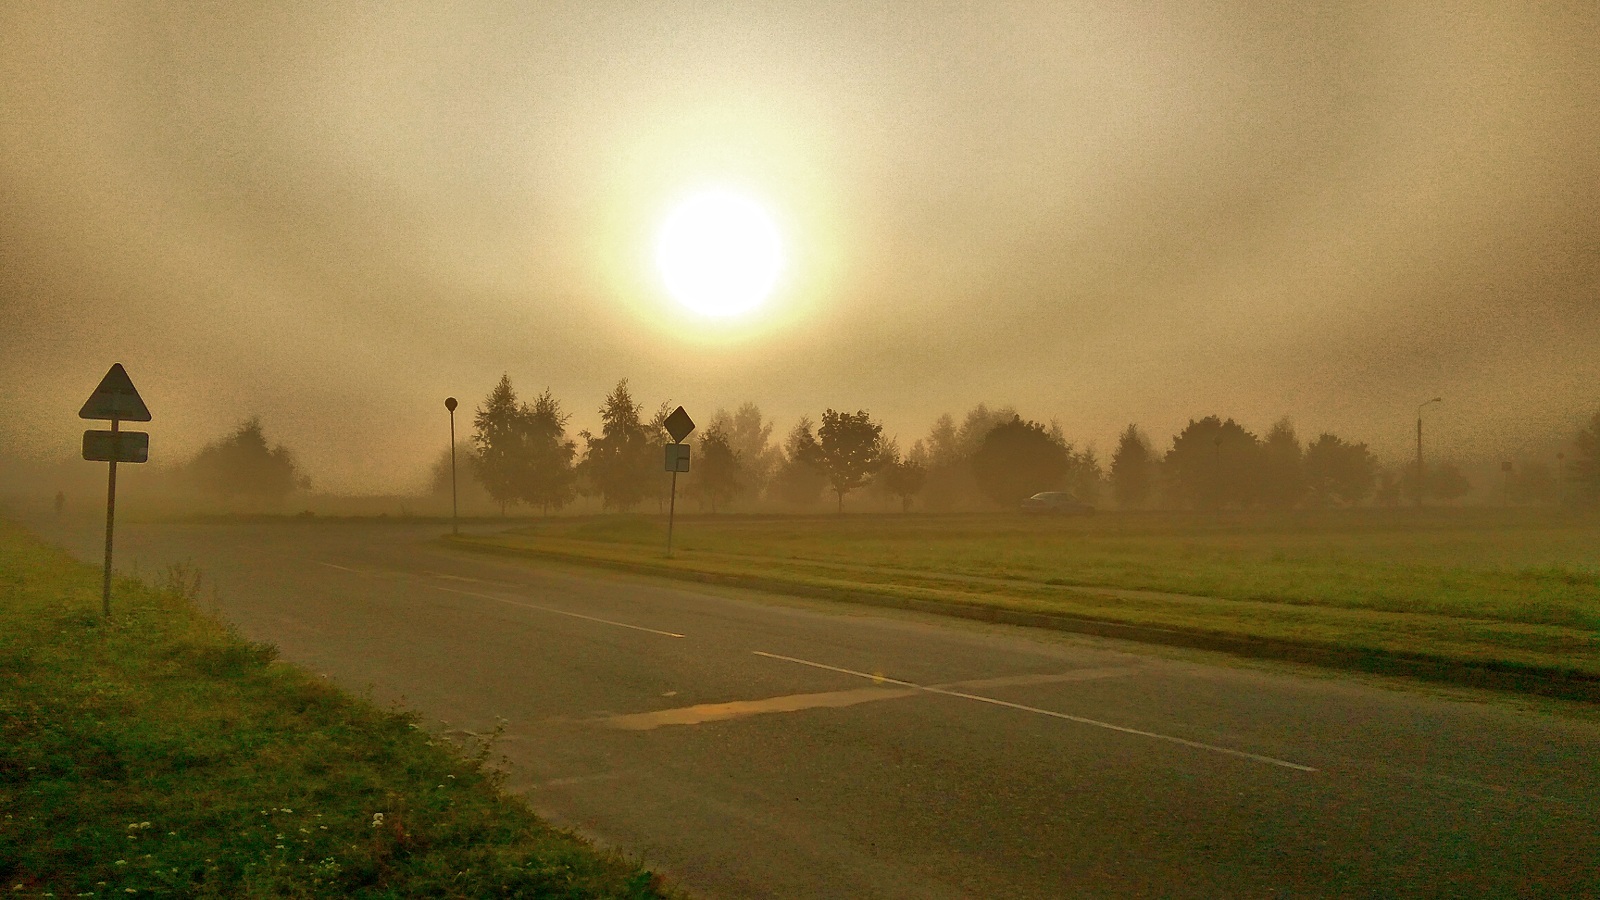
(159, 753)
(1501, 601)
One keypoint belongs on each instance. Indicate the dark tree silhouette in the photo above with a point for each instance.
(1585, 464)
(1338, 472)
(623, 459)
(243, 467)
(1019, 459)
(1215, 463)
(1132, 469)
(548, 481)
(1283, 471)
(799, 478)
(851, 451)
(717, 475)
(902, 478)
(499, 433)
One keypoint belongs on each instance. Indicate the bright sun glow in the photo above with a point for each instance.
(719, 253)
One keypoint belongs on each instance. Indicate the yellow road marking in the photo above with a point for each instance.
(717, 712)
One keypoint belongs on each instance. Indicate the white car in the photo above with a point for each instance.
(1057, 502)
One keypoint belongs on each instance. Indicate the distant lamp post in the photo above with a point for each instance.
(1420, 407)
(455, 522)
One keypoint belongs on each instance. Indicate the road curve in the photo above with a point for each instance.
(751, 746)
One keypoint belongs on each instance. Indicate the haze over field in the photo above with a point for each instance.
(1100, 214)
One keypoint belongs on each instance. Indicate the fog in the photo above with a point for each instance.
(1100, 215)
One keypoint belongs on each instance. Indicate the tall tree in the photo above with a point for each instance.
(717, 476)
(1018, 459)
(1132, 469)
(1283, 475)
(1585, 464)
(799, 479)
(243, 467)
(850, 450)
(750, 436)
(902, 477)
(621, 461)
(1215, 463)
(499, 432)
(548, 478)
(1338, 472)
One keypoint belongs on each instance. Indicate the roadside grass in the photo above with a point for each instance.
(159, 753)
(1489, 586)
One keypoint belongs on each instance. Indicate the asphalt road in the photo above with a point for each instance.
(751, 746)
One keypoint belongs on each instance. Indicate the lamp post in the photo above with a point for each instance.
(1420, 407)
(455, 523)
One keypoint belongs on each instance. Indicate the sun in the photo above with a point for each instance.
(719, 253)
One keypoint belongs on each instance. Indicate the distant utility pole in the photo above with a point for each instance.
(1419, 447)
(455, 522)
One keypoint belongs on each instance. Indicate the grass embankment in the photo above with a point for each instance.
(158, 753)
(1452, 594)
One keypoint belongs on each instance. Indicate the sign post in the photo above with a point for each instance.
(678, 425)
(115, 399)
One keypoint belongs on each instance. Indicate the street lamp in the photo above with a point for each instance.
(1420, 407)
(455, 523)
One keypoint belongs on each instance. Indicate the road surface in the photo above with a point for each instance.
(753, 746)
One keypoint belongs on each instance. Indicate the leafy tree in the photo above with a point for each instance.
(499, 431)
(1132, 469)
(1338, 472)
(717, 475)
(903, 478)
(950, 482)
(750, 436)
(1214, 463)
(548, 478)
(851, 451)
(621, 460)
(799, 479)
(1585, 465)
(243, 467)
(1018, 459)
(1283, 469)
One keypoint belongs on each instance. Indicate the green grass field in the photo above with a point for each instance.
(160, 754)
(1485, 585)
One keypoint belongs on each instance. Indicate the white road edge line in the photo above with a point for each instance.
(340, 568)
(559, 612)
(1047, 712)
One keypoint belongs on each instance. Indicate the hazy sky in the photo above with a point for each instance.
(333, 215)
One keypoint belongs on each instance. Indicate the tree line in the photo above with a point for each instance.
(520, 453)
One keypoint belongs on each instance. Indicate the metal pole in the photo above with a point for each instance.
(111, 515)
(672, 511)
(455, 520)
(1419, 459)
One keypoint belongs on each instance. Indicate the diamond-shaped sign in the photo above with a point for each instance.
(115, 398)
(679, 425)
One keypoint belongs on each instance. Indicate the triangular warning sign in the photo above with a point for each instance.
(115, 398)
